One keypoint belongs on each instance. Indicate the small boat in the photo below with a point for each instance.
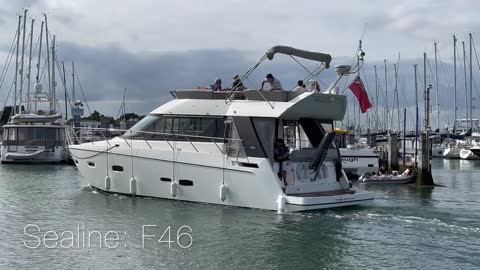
(394, 178)
(468, 154)
(476, 150)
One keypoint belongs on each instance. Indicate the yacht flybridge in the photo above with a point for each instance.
(218, 147)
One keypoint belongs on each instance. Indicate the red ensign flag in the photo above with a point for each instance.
(359, 91)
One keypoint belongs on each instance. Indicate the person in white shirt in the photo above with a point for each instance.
(275, 84)
(300, 87)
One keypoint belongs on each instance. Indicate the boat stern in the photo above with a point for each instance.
(294, 203)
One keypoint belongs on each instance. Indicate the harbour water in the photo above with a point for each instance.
(405, 228)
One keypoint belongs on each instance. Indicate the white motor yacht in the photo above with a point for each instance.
(218, 147)
(358, 161)
(36, 131)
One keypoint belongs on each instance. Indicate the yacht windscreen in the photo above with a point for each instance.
(156, 127)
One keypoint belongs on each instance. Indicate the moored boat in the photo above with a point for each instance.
(468, 155)
(36, 131)
(368, 178)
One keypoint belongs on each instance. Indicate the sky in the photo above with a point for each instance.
(152, 47)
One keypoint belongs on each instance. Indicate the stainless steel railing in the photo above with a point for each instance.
(78, 135)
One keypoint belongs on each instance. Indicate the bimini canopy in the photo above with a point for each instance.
(315, 56)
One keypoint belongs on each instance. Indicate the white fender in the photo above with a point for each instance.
(133, 186)
(173, 189)
(281, 202)
(108, 183)
(223, 192)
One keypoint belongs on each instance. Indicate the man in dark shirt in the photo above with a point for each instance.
(281, 153)
(237, 84)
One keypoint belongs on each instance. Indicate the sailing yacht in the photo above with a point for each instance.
(36, 131)
(218, 147)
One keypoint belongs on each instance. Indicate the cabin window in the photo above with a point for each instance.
(50, 137)
(185, 182)
(168, 125)
(5, 135)
(182, 125)
(265, 129)
(12, 134)
(117, 168)
(39, 136)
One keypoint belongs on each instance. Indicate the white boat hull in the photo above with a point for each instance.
(189, 175)
(33, 154)
(438, 151)
(468, 155)
(388, 179)
(356, 162)
(453, 153)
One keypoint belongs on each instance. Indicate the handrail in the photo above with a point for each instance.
(158, 133)
(215, 140)
(265, 99)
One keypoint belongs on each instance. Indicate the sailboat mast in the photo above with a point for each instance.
(48, 63)
(65, 88)
(54, 83)
(427, 96)
(376, 98)
(416, 113)
(73, 82)
(397, 97)
(471, 82)
(22, 60)
(30, 66)
(465, 80)
(16, 65)
(37, 78)
(454, 83)
(123, 106)
(437, 106)
(386, 97)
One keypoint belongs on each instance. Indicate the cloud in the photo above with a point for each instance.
(152, 47)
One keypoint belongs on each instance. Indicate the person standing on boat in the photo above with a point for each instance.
(281, 154)
(217, 85)
(275, 84)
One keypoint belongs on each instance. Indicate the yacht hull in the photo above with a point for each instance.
(27, 155)
(453, 153)
(468, 155)
(202, 176)
(438, 151)
(356, 162)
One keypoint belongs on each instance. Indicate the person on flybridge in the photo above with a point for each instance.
(237, 84)
(217, 85)
(275, 84)
(300, 87)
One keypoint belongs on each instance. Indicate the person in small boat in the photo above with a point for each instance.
(275, 83)
(382, 170)
(300, 87)
(407, 171)
(217, 85)
(281, 154)
(237, 84)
